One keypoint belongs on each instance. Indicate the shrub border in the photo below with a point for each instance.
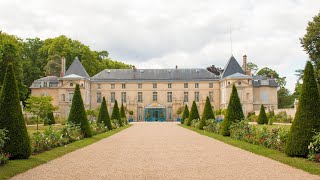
(15, 167)
(299, 163)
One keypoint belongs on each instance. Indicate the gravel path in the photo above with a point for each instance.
(162, 151)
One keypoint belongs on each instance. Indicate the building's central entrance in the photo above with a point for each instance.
(155, 112)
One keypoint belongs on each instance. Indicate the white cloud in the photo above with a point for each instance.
(165, 33)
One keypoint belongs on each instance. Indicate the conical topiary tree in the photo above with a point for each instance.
(234, 112)
(78, 114)
(11, 119)
(123, 114)
(207, 113)
(194, 114)
(262, 118)
(185, 114)
(307, 117)
(104, 115)
(49, 119)
(116, 114)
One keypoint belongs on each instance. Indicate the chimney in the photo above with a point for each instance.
(176, 66)
(63, 67)
(244, 63)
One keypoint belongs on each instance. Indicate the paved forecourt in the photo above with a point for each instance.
(162, 151)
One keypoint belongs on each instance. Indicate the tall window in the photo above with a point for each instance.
(169, 85)
(155, 85)
(169, 96)
(169, 113)
(70, 96)
(140, 114)
(112, 86)
(210, 85)
(185, 97)
(123, 97)
(140, 97)
(98, 86)
(155, 96)
(211, 96)
(123, 86)
(113, 97)
(139, 86)
(196, 96)
(185, 85)
(196, 85)
(98, 97)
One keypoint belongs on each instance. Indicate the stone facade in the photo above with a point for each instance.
(156, 94)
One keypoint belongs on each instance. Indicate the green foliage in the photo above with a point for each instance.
(234, 112)
(207, 113)
(194, 114)
(307, 118)
(122, 112)
(116, 114)
(262, 118)
(11, 119)
(53, 67)
(3, 138)
(314, 148)
(97, 128)
(285, 99)
(103, 116)
(49, 119)
(78, 114)
(185, 114)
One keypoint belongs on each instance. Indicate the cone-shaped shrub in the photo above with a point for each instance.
(194, 114)
(207, 113)
(78, 114)
(104, 115)
(307, 117)
(116, 113)
(234, 112)
(49, 119)
(262, 118)
(123, 114)
(185, 114)
(11, 119)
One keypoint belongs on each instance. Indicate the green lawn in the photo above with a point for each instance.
(33, 129)
(15, 167)
(300, 163)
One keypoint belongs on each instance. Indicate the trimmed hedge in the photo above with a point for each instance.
(116, 113)
(185, 114)
(78, 114)
(11, 119)
(262, 118)
(307, 118)
(194, 114)
(234, 112)
(207, 114)
(104, 115)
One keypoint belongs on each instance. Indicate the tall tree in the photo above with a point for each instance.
(307, 118)
(234, 112)
(185, 114)
(194, 113)
(262, 118)
(104, 115)
(252, 67)
(53, 67)
(207, 113)
(116, 113)
(78, 114)
(311, 44)
(11, 118)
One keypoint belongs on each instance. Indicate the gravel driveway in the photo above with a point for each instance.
(162, 151)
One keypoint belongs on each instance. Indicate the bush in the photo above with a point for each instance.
(262, 118)
(115, 124)
(314, 148)
(212, 126)
(195, 123)
(3, 156)
(103, 116)
(122, 112)
(252, 118)
(194, 114)
(116, 113)
(234, 112)
(49, 119)
(98, 128)
(207, 113)
(185, 114)
(307, 118)
(11, 119)
(78, 114)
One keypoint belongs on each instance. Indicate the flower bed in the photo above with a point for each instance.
(3, 157)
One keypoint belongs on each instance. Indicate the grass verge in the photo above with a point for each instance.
(15, 167)
(300, 163)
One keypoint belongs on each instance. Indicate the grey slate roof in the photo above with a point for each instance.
(154, 75)
(264, 81)
(232, 67)
(77, 68)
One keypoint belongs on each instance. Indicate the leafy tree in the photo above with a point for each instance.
(311, 44)
(104, 115)
(194, 114)
(215, 70)
(285, 99)
(269, 73)
(78, 114)
(262, 118)
(207, 113)
(53, 66)
(234, 112)
(307, 118)
(253, 68)
(116, 113)
(11, 118)
(179, 111)
(185, 114)
(297, 90)
(40, 106)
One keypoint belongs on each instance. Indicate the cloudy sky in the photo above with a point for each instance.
(165, 33)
